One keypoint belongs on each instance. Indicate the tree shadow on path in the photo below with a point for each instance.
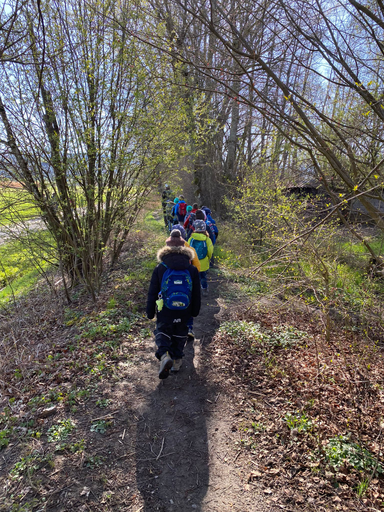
(172, 459)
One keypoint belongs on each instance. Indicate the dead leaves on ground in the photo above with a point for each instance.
(291, 401)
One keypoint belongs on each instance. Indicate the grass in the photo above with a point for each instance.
(21, 264)
(16, 205)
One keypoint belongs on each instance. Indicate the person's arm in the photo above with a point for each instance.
(211, 233)
(153, 293)
(209, 248)
(196, 295)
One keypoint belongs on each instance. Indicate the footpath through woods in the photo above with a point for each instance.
(185, 451)
(86, 425)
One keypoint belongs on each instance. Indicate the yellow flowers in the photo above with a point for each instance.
(355, 188)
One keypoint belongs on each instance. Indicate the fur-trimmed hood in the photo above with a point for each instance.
(166, 252)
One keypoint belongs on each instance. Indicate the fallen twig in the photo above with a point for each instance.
(106, 416)
(161, 449)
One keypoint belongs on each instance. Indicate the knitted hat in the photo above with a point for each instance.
(175, 239)
(181, 229)
(200, 215)
(176, 200)
(200, 226)
(206, 210)
(189, 208)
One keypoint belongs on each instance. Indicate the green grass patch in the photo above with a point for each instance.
(251, 336)
(358, 248)
(21, 264)
(16, 205)
(154, 222)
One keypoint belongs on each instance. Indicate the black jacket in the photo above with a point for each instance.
(165, 196)
(177, 258)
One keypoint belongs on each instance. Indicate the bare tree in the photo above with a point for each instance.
(88, 127)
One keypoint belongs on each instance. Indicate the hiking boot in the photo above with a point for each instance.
(165, 365)
(191, 335)
(204, 291)
(177, 365)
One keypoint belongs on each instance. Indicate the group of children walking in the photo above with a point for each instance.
(179, 279)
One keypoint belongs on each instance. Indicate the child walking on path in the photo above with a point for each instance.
(174, 295)
(202, 244)
(181, 210)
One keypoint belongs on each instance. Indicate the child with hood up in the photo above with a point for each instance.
(174, 296)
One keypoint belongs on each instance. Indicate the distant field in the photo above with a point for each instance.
(15, 204)
(21, 264)
(10, 184)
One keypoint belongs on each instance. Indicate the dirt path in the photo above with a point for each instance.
(185, 454)
(15, 230)
(137, 444)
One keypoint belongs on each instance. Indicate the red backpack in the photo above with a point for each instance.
(182, 210)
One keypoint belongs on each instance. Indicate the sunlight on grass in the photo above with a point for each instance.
(16, 205)
(20, 264)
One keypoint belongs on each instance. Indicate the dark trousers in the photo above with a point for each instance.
(203, 279)
(165, 214)
(171, 338)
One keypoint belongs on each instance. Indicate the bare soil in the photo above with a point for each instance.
(185, 447)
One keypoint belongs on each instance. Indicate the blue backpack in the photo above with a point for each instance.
(213, 224)
(176, 288)
(211, 231)
(200, 247)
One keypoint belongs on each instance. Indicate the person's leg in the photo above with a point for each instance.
(179, 339)
(163, 338)
(191, 334)
(204, 282)
(203, 279)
